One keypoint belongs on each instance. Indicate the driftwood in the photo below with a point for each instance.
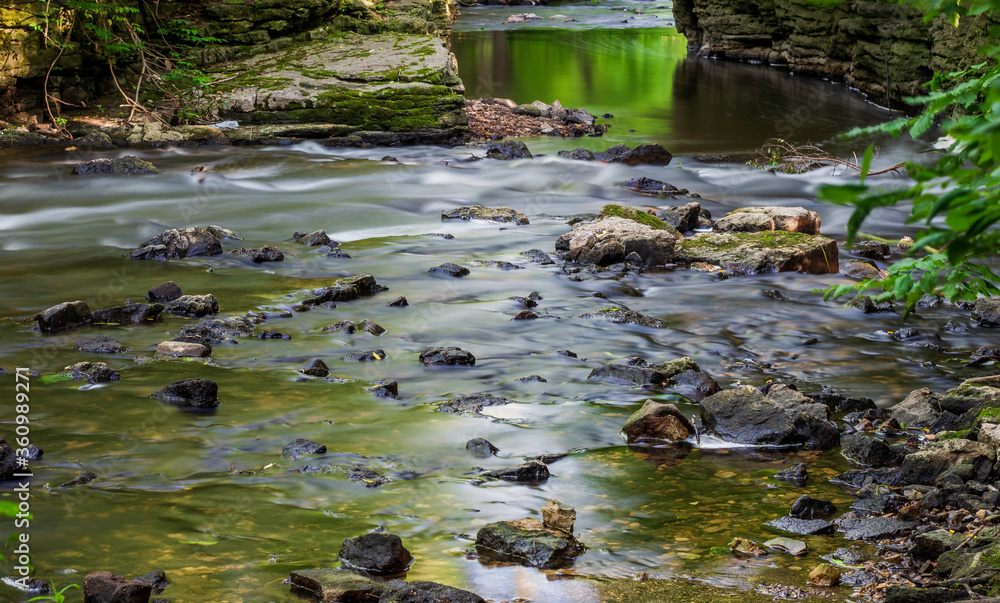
(781, 155)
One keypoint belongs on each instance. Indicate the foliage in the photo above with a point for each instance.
(956, 200)
(58, 597)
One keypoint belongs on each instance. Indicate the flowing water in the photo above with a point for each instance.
(207, 497)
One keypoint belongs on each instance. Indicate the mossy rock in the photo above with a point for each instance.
(637, 215)
(760, 252)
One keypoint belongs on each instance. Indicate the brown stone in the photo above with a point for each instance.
(558, 516)
(824, 575)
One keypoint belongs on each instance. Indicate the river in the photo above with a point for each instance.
(207, 497)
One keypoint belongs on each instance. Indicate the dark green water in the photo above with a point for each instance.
(171, 495)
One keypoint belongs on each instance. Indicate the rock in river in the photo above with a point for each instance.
(758, 252)
(450, 269)
(183, 349)
(807, 507)
(430, 592)
(447, 356)
(94, 372)
(802, 526)
(60, 317)
(624, 316)
(327, 584)
(301, 447)
(129, 314)
(100, 345)
(473, 404)
(317, 238)
(166, 292)
(267, 253)
(127, 165)
(987, 312)
(178, 244)
(746, 416)
(196, 393)
(759, 219)
(490, 214)
(657, 421)
(364, 356)
(926, 464)
(532, 472)
(219, 330)
(105, 587)
(376, 553)
(527, 542)
(345, 289)
(481, 447)
(651, 188)
(617, 232)
(194, 305)
(508, 150)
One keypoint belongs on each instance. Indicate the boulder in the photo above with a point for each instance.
(194, 305)
(490, 214)
(607, 240)
(60, 317)
(558, 516)
(166, 292)
(869, 451)
(508, 150)
(450, 269)
(473, 404)
(177, 244)
(759, 219)
(978, 392)
(643, 154)
(759, 252)
(126, 165)
(105, 587)
(926, 464)
(987, 312)
(129, 314)
(301, 447)
(100, 345)
(745, 416)
(931, 545)
(962, 564)
(447, 356)
(657, 421)
(527, 542)
(921, 408)
(681, 217)
(375, 553)
(194, 393)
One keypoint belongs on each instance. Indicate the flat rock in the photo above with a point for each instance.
(60, 317)
(489, 214)
(868, 528)
(527, 542)
(100, 345)
(195, 393)
(532, 472)
(806, 527)
(759, 219)
(787, 545)
(760, 252)
(182, 349)
(447, 356)
(473, 404)
(177, 244)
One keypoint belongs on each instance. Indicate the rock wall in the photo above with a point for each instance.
(250, 28)
(882, 48)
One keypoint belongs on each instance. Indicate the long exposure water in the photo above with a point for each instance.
(208, 498)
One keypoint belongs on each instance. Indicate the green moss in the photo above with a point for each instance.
(990, 412)
(636, 215)
(769, 239)
(952, 435)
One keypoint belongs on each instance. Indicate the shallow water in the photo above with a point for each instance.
(171, 494)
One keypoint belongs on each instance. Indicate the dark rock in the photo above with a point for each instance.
(925, 465)
(931, 545)
(168, 291)
(224, 234)
(350, 327)
(400, 302)
(869, 306)
(909, 594)
(681, 217)
(94, 372)
(429, 592)
(340, 585)
(267, 253)
(858, 478)
(524, 301)
(490, 214)
(95, 141)
(375, 553)
(640, 372)
(525, 315)
(795, 474)
(8, 460)
(652, 188)
(105, 587)
(532, 379)
(371, 479)
(527, 542)
(317, 368)
(869, 451)
(643, 154)
(450, 269)
(156, 579)
(82, 479)
(473, 404)
(31, 452)
(802, 526)
(859, 270)
(497, 264)
(873, 250)
(301, 447)
(623, 316)
(127, 165)
(657, 421)
(567, 353)
(338, 253)
(695, 384)
(538, 257)
(60, 317)
(272, 334)
(178, 244)
(345, 289)
(507, 150)
(219, 330)
(532, 471)
(100, 345)
(129, 314)
(384, 388)
(317, 238)
(194, 305)
(987, 312)
(481, 447)
(807, 507)
(196, 393)
(577, 154)
(870, 528)
(921, 408)
(948, 422)
(954, 326)
(364, 356)
(448, 356)
(745, 416)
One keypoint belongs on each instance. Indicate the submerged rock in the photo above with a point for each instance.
(364, 356)
(60, 317)
(350, 327)
(490, 214)
(447, 356)
(787, 545)
(82, 479)
(375, 553)
(177, 244)
(450, 269)
(745, 547)
(623, 316)
(105, 587)
(195, 393)
(100, 345)
(126, 165)
(759, 252)
(532, 471)
(527, 542)
(301, 447)
(219, 330)
(657, 421)
(866, 304)
(384, 388)
(473, 404)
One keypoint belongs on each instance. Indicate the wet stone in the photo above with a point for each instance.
(508, 150)
(384, 388)
(94, 372)
(746, 548)
(182, 349)
(801, 526)
(473, 404)
(168, 291)
(126, 165)
(100, 345)
(532, 379)
(364, 356)
(60, 317)
(340, 585)
(525, 315)
(524, 301)
(873, 250)
(449, 269)
(267, 253)
(82, 479)
(156, 579)
(272, 334)
(527, 542)
(220, 330)
(558, 516)
(194, 305)
(490, 214)
(869, 528)
(375, 553)
(447, 356)
(657, 421)
(626, 317)
(399, 302)
(795, 474)
(430, 592)
(538, 256)
(105, 587)
(481, 447)
(301, 447)
(176, 244)
(531, 472)
(787, 545)
(371, 479)
(651, 188)
(807, 507)
(869, 306)
(196, 393)
(128, 314)
(317, 238)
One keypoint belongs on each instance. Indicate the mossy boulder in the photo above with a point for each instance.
(759, 252)
(527, 542)
(611, 238)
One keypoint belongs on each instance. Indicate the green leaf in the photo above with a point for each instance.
(866, 162)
